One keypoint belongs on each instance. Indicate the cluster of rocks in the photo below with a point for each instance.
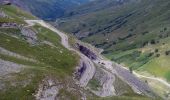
(29, 34)
(137, 85)
(80, 70)
(8, 25)
(101, 76)
(48, 90)
(7, 67)
(2, 14)
(105, 83)
(87, 52)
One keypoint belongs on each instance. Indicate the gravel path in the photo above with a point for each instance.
(90, 68)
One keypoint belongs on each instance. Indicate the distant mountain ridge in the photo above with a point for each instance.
(48, 9)
(95, 5)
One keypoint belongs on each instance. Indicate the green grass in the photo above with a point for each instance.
(94, 84)
(121, 87)
(159, 67)
(19, 61)
(43, 53)
(7, 20)
(16, 13)
(131, 58)
(11, 31)
(124, 97)
(145, 21)
(19, 91)
(64, 94)
(50, 62)
(47, 35)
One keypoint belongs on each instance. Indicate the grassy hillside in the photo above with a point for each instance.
(134, 33)
(49, 61)
(42, 61)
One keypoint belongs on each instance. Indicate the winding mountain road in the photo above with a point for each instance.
(90, 69)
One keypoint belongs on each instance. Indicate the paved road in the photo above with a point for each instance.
(90, 68)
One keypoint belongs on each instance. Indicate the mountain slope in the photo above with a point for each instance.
(39, 56)
(37, 62)
(48, 9)
(134, 33)
(124, 28)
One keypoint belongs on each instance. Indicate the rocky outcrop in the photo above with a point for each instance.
(87, 52)
(8, 25)
(29, 34)
(48, 90)
(7, 67)
(80, 70)
(137, 85)
(2, 14)
(105, 81)
(85, 71)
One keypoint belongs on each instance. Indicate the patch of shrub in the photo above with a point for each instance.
(114, 43)
(136, 54)
(160, 36)
(150, 54)
(145, 32)
(158, 55)
(167, 52)
(156, 50)
(145, 43)
(153, 41)
(131, 30)
(165, 29)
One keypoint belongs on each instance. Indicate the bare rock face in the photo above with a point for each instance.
(105, 83)
(48, 90)
(137, 85)
(29, 34)
(87, 52)
(2, 14)
(7, 67)
(8, 25)
(80, 70)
